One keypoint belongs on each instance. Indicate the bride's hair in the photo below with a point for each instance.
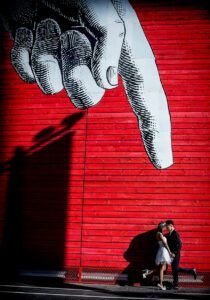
(160, 227)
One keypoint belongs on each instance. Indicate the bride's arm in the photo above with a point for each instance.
(161, 236)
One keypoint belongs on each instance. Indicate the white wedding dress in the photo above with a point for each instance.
(162, 256)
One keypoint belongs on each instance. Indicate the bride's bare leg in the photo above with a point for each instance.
(162, 269)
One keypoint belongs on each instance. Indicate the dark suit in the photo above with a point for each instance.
(175, 244)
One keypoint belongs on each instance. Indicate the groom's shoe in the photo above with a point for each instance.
(194, 273)
(175, 287)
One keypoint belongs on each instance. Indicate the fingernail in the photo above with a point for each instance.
(112, 76)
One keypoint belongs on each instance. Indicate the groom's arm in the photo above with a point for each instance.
(177, 242)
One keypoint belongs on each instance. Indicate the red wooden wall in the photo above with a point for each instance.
(81, 182)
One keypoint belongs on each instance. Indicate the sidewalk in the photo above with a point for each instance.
(94, 291)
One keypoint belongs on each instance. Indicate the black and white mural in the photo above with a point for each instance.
(82, 46)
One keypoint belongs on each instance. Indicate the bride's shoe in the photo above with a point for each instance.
(162, 287)
(145, 273)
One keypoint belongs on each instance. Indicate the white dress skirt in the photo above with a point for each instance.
(162, 256)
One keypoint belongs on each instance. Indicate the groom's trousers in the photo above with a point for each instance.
(176, 269)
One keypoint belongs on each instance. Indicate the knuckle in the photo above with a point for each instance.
(119, 27)
(115, 28)
(23, 38)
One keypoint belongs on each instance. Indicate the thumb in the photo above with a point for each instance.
(103, 21)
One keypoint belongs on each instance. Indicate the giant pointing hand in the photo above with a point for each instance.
(100, 39)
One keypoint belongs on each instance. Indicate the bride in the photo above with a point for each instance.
(164, 256)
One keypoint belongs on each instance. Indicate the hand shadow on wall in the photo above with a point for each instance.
(36, 204)
(141, 255)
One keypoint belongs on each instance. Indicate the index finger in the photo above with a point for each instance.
(144, 89)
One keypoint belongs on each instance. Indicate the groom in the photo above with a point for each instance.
(175, 244)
